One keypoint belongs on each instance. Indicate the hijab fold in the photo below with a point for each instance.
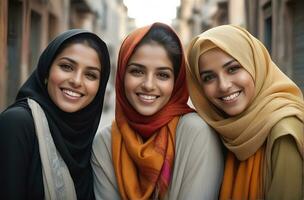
(143, 146)
(72, 133)
(277, 100)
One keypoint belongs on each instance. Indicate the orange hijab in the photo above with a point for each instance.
(276, 98)
(143, 169)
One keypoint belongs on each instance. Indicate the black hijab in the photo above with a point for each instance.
(72, 133)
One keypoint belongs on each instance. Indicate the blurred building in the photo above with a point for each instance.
(184, 24)
(196, 16)
(278, 24)
(27, 26)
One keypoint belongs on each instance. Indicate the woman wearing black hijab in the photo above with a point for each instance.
(46, 135)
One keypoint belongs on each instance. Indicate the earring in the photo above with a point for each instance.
(45, 81)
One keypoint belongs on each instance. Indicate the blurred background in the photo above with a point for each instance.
(27, 26)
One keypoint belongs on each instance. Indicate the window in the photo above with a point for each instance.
(35, 40)
(14, 36)
(267, 26)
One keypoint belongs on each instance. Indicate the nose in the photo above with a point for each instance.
(224, 83)
(148, 83)
(76, 79)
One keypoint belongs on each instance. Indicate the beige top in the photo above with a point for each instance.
(57, 181)
(198, 165)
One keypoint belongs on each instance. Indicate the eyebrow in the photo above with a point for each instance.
(142, 66)
(228, 63)
(74, 62)
(224, 65)
(136, 64)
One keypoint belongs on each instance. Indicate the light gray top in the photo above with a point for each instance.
(198, 165)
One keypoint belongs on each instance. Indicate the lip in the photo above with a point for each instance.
(147, 98)
(71, 94)
(230, 98)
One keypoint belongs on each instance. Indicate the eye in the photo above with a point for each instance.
(91, 76)
(233, 69)
(136, 72)
(207, 78)
(163, 75)
(66, 67)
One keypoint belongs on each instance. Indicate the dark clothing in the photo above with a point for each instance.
(72, 133)
(21, 172)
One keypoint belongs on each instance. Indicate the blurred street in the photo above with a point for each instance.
(27, 26)
(108, 108)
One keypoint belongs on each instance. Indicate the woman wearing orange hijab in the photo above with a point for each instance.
(256, 109)
(157, 147)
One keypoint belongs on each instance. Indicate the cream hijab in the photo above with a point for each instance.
(276, 96)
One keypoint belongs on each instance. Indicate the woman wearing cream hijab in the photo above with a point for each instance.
(256, 109)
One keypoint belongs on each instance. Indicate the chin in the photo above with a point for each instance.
(69, 109)
(234, 113)
(146, 112)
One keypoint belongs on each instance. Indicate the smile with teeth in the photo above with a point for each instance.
(71, 93)
(147, 97)
(231, 96)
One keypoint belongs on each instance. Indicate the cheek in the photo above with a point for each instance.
(128, 86)
(250, 89)
(209, 91)
(248, 83)
(168, 89)
(53, 80)
(93, 87)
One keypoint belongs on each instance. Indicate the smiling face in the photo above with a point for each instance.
(74, 77)
(149, 79)
(226, 83)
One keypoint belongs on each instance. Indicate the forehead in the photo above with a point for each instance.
(151, 54)
(213, 58)
(81, 53)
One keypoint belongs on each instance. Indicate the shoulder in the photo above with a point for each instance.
(192, 127)
(104, 133)
(101, 149)
(289, 127)
(15, 119)
(102, 138)
(193, 120)
(197, 144)
(16, 113)
(17, 128)
(193, 124)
